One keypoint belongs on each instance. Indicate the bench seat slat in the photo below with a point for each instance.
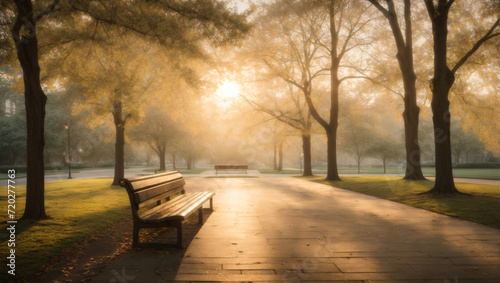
(166, 205)
(185, 211)
(177, 209)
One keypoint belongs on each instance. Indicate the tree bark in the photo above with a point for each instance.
(306, 148)
(120, 142)
(161, 155)
(332, 170)
(35, 100)
(173, 160)
(413, 154)
(411, 110)
(441, 84)
(331, 130)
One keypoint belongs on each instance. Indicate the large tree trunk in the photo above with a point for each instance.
(410, 114)
(413, 164)
(189, 162)
(331, 129)
(444, 183)
(411, 110)
(35, 100)
(332, 173)
(120, 142)
(306, 148)
(441, 85)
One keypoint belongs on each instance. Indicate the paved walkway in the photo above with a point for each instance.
(289, 230)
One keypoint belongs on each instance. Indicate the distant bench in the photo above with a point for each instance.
(148, 211)
(230, 168)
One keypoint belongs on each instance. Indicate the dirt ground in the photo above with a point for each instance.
(87, 259)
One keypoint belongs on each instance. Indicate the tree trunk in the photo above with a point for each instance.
(384, 163)
(332, 173)
(161, 155)
(440, 86)
(410, 118)
(331, 130)
(411, 110)
(306, 148)
(358, 160)
(444, 183)
(173, 160)
(189, 162)
(35, 100)
(275, 160)
(280, 157)
(119, 143)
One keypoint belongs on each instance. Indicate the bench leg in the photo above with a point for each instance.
(211, 204)
(179, 234)
(200, 215)
(135, 241)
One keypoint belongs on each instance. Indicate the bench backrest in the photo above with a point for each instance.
(150, 189)
(230, 166)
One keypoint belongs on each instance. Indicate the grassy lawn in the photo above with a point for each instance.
(47, 172)
(77, 209)
(479, 173)
(481, 207)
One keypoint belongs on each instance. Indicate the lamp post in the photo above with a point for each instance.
(301, 155)
(69, 151)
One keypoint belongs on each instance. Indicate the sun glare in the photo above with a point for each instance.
(228, 90)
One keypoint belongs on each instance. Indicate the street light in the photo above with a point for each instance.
(69, 151)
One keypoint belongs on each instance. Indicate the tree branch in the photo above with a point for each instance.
(377, 5)
(476, 46)
(51, 9)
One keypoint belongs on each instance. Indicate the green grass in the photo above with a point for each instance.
(478, 173)
(47, 172)
(481, 207)
(77, 209)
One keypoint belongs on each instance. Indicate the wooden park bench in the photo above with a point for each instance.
(230, 168)
(146, 195)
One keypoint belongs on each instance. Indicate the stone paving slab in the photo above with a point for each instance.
(270, 229)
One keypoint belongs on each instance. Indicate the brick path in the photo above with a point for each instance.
(285, 229)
